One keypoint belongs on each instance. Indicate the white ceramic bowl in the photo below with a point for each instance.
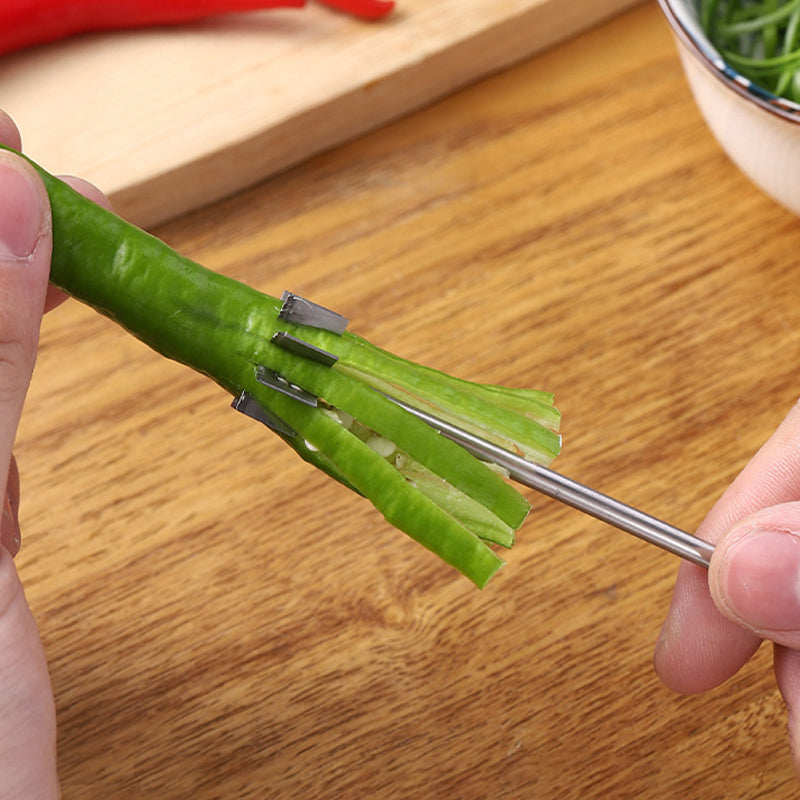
(759, 131)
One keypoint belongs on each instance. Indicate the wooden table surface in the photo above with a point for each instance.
(224, 622)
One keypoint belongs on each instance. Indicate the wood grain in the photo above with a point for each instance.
(223, 622)
(171, 119)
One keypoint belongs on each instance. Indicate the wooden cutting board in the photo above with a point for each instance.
(167, 120)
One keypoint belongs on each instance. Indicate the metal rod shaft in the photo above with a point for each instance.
(574, 494)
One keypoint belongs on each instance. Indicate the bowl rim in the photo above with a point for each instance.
(689, 32)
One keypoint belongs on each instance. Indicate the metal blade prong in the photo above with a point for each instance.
(250, 407)
(297, 309)
(270, 378)
(302, 348)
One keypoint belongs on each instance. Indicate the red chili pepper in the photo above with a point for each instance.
(28, 22)
(368, 9)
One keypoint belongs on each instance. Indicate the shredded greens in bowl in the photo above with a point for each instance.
(759, 39)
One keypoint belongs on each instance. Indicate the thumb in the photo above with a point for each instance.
(27, 714)
(755, 574)
(25, 248)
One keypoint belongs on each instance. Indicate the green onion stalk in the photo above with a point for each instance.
(457, 506)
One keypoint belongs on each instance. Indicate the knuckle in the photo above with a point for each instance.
(10, 586)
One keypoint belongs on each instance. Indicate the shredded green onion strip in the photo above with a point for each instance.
(759, 38)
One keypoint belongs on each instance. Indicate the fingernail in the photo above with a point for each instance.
(10, 536)
(22, 212)
(759, 580)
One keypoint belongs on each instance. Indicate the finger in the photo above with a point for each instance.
(88, 190)
(27, 722)
(699, 647)
(755, 574)
(9, 133)
(787, 673)
(25, 245)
